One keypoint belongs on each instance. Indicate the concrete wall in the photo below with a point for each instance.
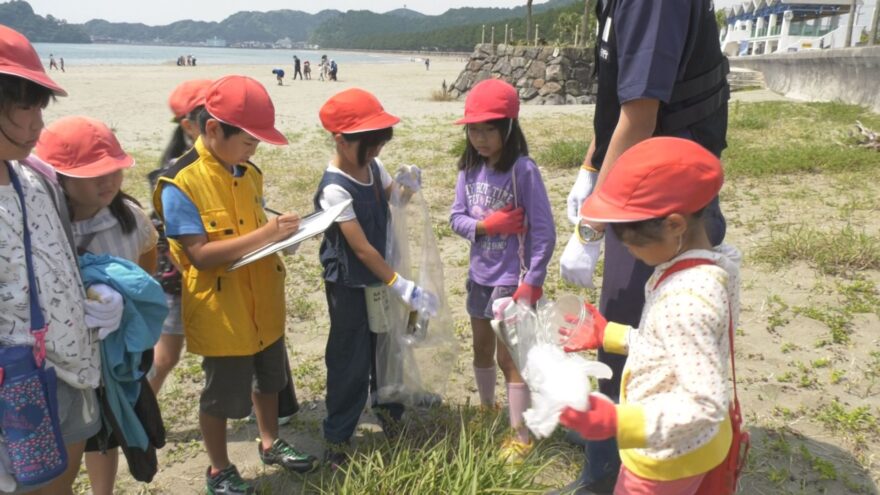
(851, 75)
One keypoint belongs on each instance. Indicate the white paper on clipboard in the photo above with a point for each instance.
(311, 225)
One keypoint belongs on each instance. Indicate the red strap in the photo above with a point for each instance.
(690, 263)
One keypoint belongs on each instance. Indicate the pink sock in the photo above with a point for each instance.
(517, 402)
(486, 385)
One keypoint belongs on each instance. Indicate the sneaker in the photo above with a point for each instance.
(227, 482)
(514, 450)
(282, 420)
(335, 457)
(283, 454)
(604, 486)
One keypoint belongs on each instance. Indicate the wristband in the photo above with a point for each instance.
(393, 279)
(589, 168)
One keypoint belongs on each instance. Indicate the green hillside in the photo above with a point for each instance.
(20, 16)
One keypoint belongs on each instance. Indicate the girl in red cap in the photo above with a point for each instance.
(353, 256)
(672, 425)
(89, 163)
(33, 213)
(501, 207)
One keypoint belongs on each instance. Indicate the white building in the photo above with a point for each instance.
(771, 26)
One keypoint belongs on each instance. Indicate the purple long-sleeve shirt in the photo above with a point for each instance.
(494, 259)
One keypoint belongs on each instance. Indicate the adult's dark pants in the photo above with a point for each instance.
(297, 71)
(351, 364)
(623, 296)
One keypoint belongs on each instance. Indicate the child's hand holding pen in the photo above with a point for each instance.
(286, 224)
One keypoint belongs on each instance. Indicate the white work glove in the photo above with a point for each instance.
(583, 187)
(578, 261)
(414, 296)
(103, 309)
(410, 177)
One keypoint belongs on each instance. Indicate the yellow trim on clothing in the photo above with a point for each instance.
(631, 426)
(614, 340)
(695, 462)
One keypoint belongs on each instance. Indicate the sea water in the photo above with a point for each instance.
(106, 54)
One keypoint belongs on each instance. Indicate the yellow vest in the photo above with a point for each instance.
(236, 313)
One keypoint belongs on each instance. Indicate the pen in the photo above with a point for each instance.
(270, 210)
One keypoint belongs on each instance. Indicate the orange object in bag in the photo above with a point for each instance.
(723, 478)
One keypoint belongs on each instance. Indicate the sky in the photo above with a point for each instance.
(158, 12)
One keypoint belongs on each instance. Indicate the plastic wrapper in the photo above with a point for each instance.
(415, 357)
(555, 378)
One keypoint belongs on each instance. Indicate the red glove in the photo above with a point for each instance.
(588, 335)
(505, 221)
(598, 423)
(529, 293)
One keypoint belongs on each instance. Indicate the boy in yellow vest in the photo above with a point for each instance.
(211, 202)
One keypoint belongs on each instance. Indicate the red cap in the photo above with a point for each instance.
(81, 147)
(18, 58)
(654, 179)
(243, 102)
(354, 110)
(491, 99)
(187, 96)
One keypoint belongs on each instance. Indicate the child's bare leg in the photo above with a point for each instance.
(214, 435)
(484, 360)
(101, 468)
(266, 410)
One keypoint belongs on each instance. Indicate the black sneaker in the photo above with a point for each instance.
(227, 482)
(283, 454)
(599, 487)
(335, 457)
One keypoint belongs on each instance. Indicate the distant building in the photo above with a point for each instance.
(772, 26)
(216, 42)
(284, 43)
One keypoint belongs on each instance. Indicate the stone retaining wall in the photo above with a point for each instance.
(543, 75)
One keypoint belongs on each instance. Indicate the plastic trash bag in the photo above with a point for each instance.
(555, 378)
(414, 357)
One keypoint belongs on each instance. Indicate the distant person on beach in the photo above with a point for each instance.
(192, 61)
(61, 61)
(427, 64)
(333, 69)
(296, 68)
(181, 61)
(52, 64)
(279, 75)
(307, 69)
(325, 68)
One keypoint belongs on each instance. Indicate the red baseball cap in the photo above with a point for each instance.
(187, 96)
(243, 102)
(354, 110)
(491, 99)
(81, 147)
(18, 58)
(654, 179)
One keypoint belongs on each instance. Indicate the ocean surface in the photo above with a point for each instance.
(103, 54)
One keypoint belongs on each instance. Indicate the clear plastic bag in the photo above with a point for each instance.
(555, 378)
(414, 359)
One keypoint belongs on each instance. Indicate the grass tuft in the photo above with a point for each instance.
(832, 253)
(563, 153)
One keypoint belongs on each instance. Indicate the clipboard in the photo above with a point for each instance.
(310, 226)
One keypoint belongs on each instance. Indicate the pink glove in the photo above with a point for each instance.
(598, 423)
(529, 293)
(589, 335)
(505, 221)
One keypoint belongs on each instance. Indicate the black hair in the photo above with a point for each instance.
(646, 231)
(514, 146)
(179, 140)
(368, 140)
(228, 130)
(17, 90)
(117, 207)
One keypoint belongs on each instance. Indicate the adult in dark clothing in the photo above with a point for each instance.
(297, 68)
(660, 73)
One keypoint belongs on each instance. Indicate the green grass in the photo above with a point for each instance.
(831, 252)
(563, 153)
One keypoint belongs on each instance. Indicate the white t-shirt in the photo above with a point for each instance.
(334, 194)
(107, 237)
(71, 348)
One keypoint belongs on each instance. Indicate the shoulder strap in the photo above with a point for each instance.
(690, 263)
(521, 238)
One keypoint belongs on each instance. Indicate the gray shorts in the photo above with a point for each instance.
(173, 322)
(230, 380)
(481, 297)
(79, 415)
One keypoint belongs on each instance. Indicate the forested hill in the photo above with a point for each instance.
(454, 30)
(400, 29)
(20, 16)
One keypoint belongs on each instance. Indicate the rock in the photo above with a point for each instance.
(570, 100)
(536, 69)
(538, 83)
(586, 100)
(502, 66)
(555, 99)
(554, 73)
(517, 73)
(550, 88)
(517, 62)
(528, 93)
(474, 65)
(573, 88)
